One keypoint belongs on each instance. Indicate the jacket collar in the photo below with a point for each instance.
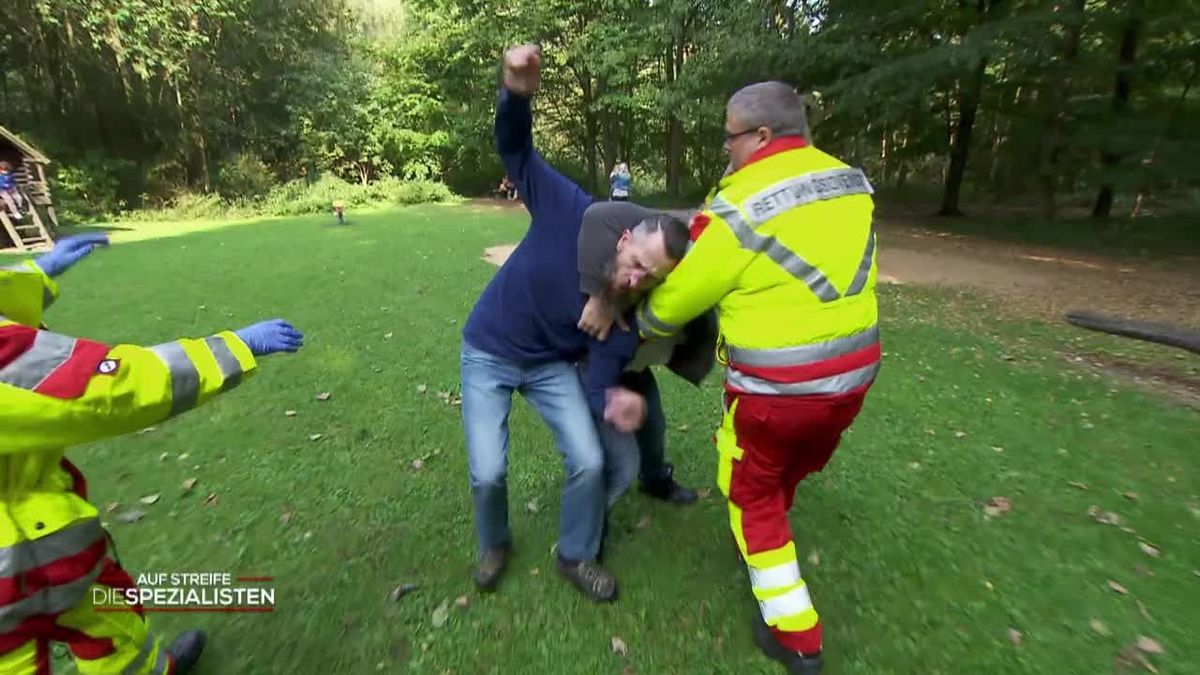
(776, 146)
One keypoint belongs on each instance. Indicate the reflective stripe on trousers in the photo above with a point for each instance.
(760, 527)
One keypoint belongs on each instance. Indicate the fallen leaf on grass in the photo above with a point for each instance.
(997, 506)
(1118, 587)
(212, 499)
(997, 448)
(387, 336)
(289, 413)
(314, 437)
(421, 388)
(619, 646)
(1143, 611)
(163, 457)
(533, 506)
(814, 559)
(1077, 484)
(149, 499)
(989, 585)
(461, 602)
(417, 464)
(533, 572)
(1107, 518)
(1148, 645)
(148, 430)
(1131, 496)
(1098, 626)
(131, 516)
(287, 516)
(1014, 636)
(110, 507)
(960, 434)
(1148, 549)
(323, 396)
(683, 428)
(189, 484)
(401, 591)
(441, 614)
(643, 522)
(182, 457)
(914, 465)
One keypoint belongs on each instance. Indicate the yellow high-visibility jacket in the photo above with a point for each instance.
(785, 250)
(57, 391)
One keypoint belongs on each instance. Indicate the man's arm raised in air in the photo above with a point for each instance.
(539, 185)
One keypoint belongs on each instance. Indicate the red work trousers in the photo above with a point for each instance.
(767, 445)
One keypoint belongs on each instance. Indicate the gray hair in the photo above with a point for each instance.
(774, 105)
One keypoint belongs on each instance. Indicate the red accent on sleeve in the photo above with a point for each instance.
(71, 379)
(696, 227)
(15, 340)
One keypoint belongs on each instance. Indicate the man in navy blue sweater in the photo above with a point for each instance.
(523, 336)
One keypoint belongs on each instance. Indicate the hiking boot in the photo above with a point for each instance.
(796, 663)
(185, 651)
(491, 567)
(668, 490)
(590, 578)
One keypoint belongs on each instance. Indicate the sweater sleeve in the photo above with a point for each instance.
(541, 188)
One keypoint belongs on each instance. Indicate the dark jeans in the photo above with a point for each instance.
(652, 437)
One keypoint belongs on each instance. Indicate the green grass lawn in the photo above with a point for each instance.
(908, 573)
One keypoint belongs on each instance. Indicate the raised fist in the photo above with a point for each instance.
(523, 69)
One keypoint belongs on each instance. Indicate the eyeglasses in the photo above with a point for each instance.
(730, 136)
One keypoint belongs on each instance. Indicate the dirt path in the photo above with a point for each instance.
(1041, 282)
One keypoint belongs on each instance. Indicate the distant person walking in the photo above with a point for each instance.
(619, 180)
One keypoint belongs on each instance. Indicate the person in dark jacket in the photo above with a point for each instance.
(522, 336)
(602, 265)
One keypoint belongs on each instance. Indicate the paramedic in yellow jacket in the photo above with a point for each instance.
(786, 252)
(58, 391)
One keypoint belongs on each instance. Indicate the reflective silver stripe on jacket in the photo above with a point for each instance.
(649, 324)
(27, 555)
(834, 384)
(48, 352)
(49, 600)
(185, 379)
(789, 194)
(804, 354)
(231, 368)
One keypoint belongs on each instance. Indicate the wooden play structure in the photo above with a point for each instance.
(29, 170)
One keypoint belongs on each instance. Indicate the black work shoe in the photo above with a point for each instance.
(796, 663)
(185, 651)
(668, 490)
(590, 578)
(491, 567)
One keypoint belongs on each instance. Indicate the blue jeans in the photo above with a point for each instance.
(554, 390)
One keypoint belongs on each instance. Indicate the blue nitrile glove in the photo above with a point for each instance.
(69, 251)
(270, 337)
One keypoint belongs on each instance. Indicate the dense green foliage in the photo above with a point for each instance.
(1060, 103)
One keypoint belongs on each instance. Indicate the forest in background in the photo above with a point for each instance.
(1064, 107)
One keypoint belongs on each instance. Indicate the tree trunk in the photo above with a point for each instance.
(591, 130)
(968, 105)
(674, 130)
(1109, 159)
(1171, 117)
(1054, 96)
